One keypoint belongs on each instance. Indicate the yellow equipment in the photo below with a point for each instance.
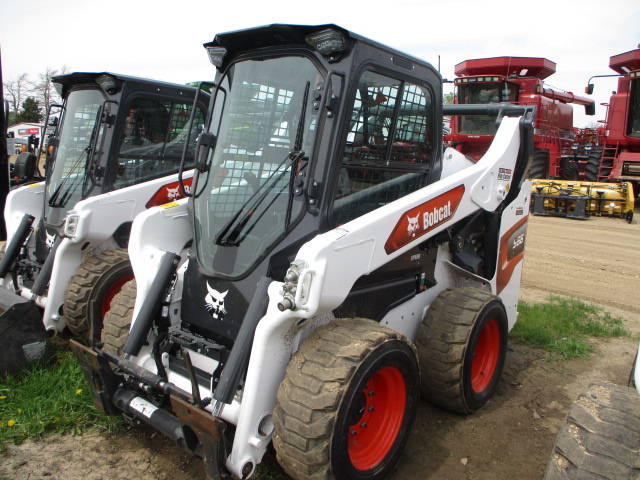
(574, 199)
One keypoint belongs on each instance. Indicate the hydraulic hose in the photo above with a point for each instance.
(152, 303)
(42, 280)
(13, 249)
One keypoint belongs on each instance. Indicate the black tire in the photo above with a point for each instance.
(600, 437)
(91, 290)
(628, 217)
(347, 403)
(117, 321)
(462, 345)
(592, 166)
(570, 171)
(539, 167)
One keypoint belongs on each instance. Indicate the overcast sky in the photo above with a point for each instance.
(163, 39)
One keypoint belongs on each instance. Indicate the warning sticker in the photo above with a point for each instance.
(142, 406)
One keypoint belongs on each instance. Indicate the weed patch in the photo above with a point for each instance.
(564, 326)
(55, 400)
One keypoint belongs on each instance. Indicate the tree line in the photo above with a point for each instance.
(29, 99)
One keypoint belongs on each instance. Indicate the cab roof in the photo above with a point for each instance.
(75, 79)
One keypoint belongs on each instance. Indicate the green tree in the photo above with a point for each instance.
(30, 112)
(448, 98)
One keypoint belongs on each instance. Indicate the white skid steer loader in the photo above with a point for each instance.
(331, 264)
(116, 150)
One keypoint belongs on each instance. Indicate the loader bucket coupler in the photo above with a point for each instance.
(24, 341)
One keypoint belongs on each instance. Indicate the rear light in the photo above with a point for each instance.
(168, 193)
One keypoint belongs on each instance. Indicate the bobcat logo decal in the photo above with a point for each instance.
(214, 302)
(173, 193)
(413, 225)
(51, 239)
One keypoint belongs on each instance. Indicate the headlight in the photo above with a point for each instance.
(71, 225)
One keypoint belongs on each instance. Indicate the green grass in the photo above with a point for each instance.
(52, 400)
(565, 326)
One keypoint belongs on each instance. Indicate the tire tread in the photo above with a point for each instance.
(600, 437)
(78, 294)
(442, 341)
(309, 397)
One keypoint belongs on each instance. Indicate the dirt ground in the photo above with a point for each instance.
(596, 260)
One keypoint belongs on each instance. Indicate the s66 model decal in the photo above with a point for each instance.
(511, 253)
(425, 217)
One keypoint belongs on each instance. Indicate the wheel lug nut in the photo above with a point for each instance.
(363, 424)
(354, 433)
(371, 408)
(372, 393)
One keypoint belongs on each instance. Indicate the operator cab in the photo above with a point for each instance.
(112, 131)
(310, 127)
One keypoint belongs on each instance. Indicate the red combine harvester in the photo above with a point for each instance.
(518, 80)
(620, 138)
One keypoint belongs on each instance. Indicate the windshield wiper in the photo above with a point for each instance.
(69, 192)
(230, 238)
(298, 153)
(87, 151)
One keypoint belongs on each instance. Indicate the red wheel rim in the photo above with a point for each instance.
(485, 356)
(382, 405)
(114, 289)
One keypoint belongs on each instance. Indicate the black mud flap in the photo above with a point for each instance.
(24, 342)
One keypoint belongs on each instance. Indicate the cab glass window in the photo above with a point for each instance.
(472, 93)
(388, 146)
(153, 140)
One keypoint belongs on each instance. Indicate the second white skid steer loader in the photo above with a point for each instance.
(116, 150)
(331, 265)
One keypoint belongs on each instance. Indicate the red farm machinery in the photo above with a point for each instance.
(620, 136)
(520, 81)
(610, 153)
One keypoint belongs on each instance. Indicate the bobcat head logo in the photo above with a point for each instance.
(214, 302)
(51, 239)
(173, 193)
(413, 225)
